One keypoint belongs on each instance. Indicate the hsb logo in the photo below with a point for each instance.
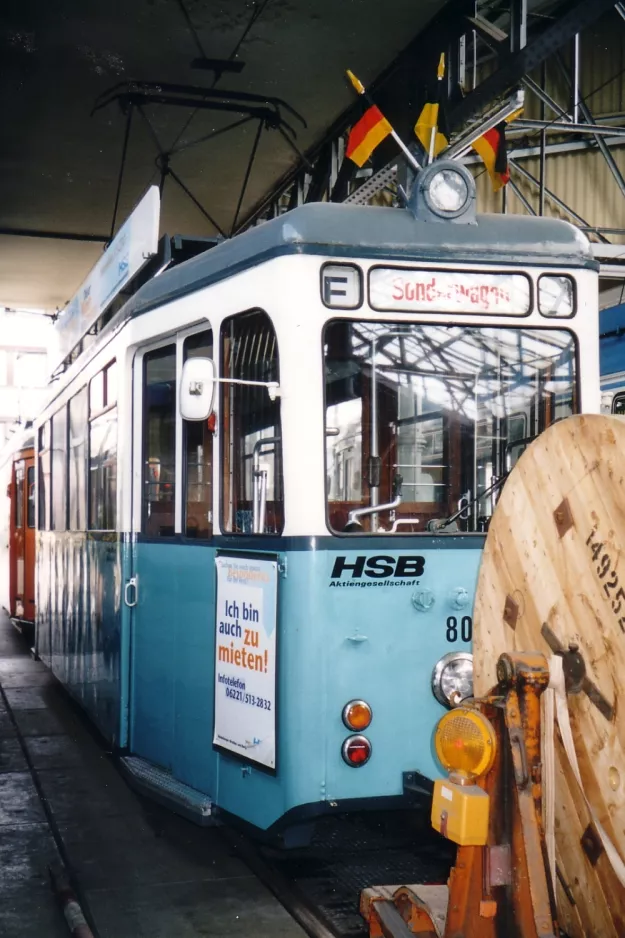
(378, 567)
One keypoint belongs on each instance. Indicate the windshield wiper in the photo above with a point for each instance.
(437, 525)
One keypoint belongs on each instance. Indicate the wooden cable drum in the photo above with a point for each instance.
(552, 575)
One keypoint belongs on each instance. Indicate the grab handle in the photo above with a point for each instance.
(131, 584)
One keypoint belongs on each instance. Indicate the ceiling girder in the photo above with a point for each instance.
(512, 69)
(400, 94)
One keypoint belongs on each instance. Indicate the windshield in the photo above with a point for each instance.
(425, 419)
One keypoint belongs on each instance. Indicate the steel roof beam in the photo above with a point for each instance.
(544, 97)
(582, 14)
(552, 196)
(585, 110)
(597, 130)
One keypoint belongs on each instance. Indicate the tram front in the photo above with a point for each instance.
(439, 369)
(368, 420)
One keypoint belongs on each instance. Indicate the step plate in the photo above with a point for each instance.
(161, 786)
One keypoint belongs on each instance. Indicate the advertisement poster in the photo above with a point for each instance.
(245, 658)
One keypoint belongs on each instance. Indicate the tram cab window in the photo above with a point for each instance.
(103, 450)
(19, 495)
(253, 497)
(436, 413)
(198, 454)
(43, 483)
(159, 441)
(59, 470)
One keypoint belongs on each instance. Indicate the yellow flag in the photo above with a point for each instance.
(427, 122)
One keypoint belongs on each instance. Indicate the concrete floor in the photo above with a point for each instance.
(140, 870)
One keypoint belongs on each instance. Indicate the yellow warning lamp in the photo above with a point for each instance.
(465, 745)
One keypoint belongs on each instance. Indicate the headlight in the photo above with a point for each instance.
(465, 742)
(452, 678)
(447, 192)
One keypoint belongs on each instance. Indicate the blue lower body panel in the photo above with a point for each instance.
(364, 618)
(359, 623)
(79, 620)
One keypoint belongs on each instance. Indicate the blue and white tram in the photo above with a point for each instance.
(263, 492)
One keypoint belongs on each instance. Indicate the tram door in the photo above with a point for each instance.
(173, 591)
(22, 544)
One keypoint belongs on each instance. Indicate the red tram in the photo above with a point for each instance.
(22, 539)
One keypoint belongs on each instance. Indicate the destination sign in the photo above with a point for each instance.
(449, 291)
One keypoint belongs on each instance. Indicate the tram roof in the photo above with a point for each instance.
(340, 230)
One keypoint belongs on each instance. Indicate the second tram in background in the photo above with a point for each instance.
(263, 491)
(612, 360)
(21, 528)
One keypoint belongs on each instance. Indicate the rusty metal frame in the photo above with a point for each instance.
(502, 888)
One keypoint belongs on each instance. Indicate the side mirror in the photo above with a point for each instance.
(197, 389)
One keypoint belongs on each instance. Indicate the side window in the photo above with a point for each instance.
(198, 454)
(30, 510)
(618, 404)
(19, 494)
(43, 448)
(78, 423)
(253, 499)
(103, 450)
(59, 470)
(159, 442)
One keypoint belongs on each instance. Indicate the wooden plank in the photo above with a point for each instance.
(555, 554)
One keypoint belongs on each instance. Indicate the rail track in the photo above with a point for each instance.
(320, 885)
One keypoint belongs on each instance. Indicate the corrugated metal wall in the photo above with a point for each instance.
(582, 179)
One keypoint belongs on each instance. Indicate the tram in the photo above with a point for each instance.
(21, 494)
(264, 487)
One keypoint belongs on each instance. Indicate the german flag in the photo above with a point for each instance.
(433, 139)
(366, 135)
(492, 148)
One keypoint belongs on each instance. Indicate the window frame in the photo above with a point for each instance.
(84, 389)
(92, 417)
(184, 479)
(45, 431)
(176, 337)
(170, 341)
(618, 398)
(62, 409)
(18, 507)
(559, 324)
(226, 527)
(30, 501)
